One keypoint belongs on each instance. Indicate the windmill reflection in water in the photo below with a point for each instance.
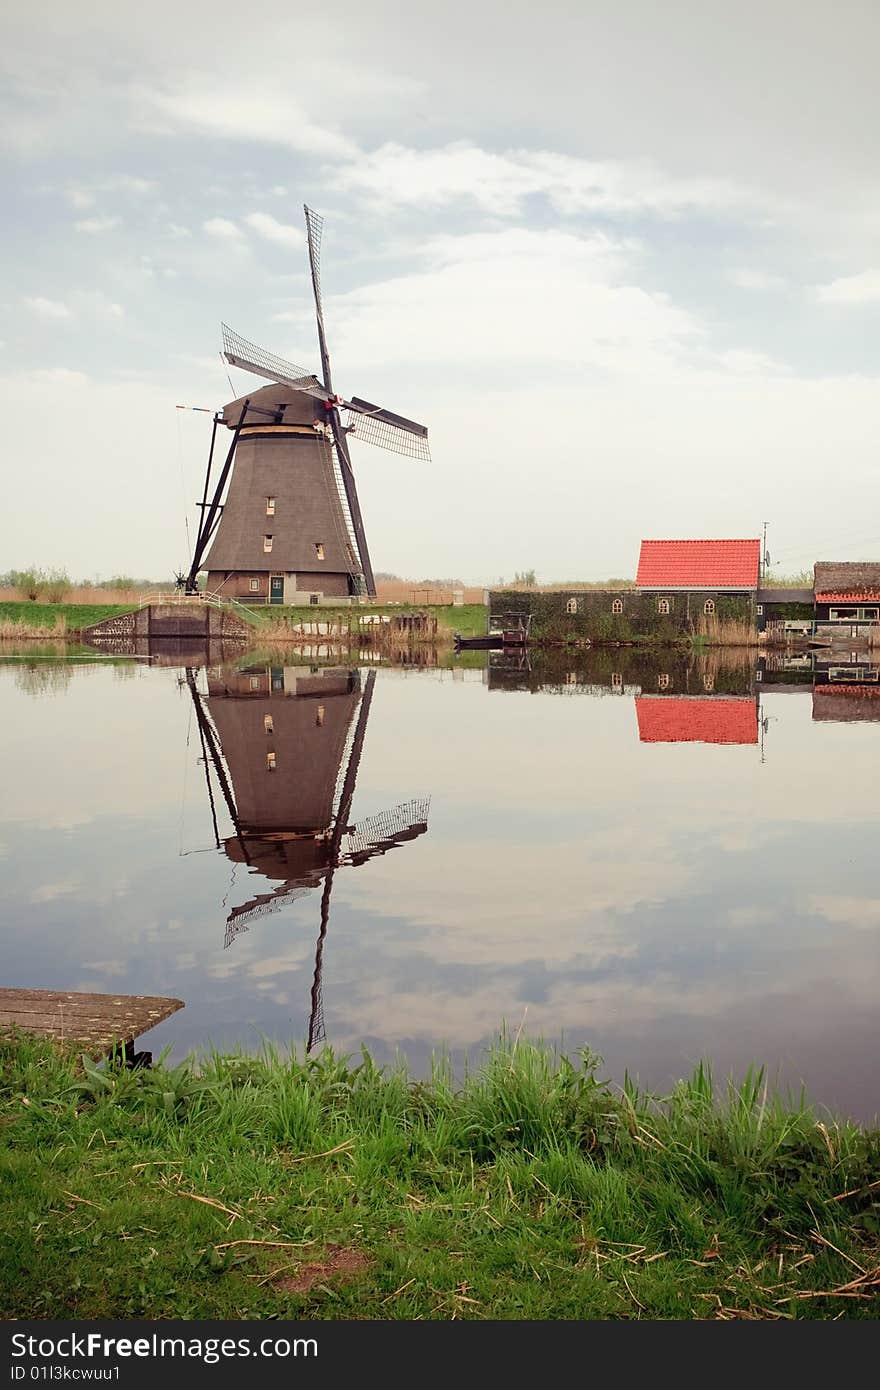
(281, 747)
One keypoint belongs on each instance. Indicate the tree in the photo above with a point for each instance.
(526, 578)
(57, 585)
(29, 582)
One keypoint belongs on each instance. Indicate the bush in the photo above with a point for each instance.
(57, 585)
(29, 583)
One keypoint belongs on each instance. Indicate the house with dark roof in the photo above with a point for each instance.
(847, 600)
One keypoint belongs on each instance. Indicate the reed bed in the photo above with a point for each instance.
(16, 630)
(87, 594)
(276, 1185)
(726, 632)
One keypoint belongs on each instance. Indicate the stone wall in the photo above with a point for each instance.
(601, 615)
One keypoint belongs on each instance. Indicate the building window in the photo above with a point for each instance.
(759, 676)
(708, 684)
(571, 605)
(663, 682)
(313, 598)
(616, 680)
(254, 586)
(255, 682)
(869, 615)
(270, 506)
(319, 550)
(709, 607)
(571, 678)
(270, 762)
(617, 605)
(843, 615)
(663, 605)
(268, 724)
(267, 544)
(319, 716)
(760, 610)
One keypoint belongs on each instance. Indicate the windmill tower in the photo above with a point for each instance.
(284, 746)
(290, 529)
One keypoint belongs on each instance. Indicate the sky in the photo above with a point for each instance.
(621, 260)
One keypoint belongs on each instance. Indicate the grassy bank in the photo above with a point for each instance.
(257, 1187)
(21, 620)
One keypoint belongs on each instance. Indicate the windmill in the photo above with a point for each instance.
(290, 528)
(284, 747)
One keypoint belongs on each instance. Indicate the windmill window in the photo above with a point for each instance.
(270, 506)
(663, 682)
(708, 683)
(270, 762)
(617, 605)
(709, 607)
(571, 606)
(319, 550)
(616, 680)
(267, 544)
(268, 724)
(255, 586)
(319, 716)
(663, 605)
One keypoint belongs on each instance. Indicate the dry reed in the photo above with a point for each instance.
(726, 632)
(12, 631)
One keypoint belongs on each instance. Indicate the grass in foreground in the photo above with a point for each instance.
(18, 620)
(260, 1187)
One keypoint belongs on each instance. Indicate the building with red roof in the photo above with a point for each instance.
(726, 566)
(697, 719)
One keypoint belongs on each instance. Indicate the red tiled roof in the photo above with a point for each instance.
(865, 596)
(699, 565)
(713, 719)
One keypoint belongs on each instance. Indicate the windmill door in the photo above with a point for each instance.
(276, 588)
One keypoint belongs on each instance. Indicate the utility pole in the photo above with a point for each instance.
(764, 556)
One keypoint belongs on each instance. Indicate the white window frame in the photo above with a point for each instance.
(709, 608)
(267, 544)
(617, 605)
(270, 506)
(664, 607)
(571, 605)
(319, 550)
(254, 586)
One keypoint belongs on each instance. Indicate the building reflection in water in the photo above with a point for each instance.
(281, 748)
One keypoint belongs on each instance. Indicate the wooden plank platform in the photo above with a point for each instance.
(93, 1023)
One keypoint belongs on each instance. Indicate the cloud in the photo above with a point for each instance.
(222, 228)
(500, 183)
(47, 308)
(262, 110)
(546, 300)
(177, 232)
(97, 224)
(270, 229)
(863, 288)
(748, 279)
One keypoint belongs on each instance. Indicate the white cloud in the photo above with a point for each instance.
(270, 229)
(863, 288)
(262, 109)
(97, 224)
(222, 228)
(547, 299)
(177, 232)
(500, 183)
(748, 279)
(47, 308)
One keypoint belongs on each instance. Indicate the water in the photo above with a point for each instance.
(547, 847)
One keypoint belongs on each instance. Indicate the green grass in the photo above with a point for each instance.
(46, 615)
(532, 1190)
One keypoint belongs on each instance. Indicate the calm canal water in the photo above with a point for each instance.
(663, 859)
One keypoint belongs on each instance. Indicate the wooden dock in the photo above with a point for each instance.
(91, 1023)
